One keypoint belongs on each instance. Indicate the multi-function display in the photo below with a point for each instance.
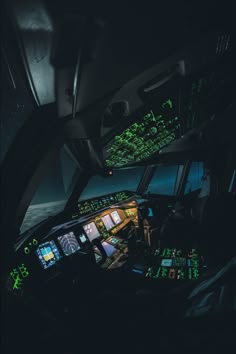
(116, 217)
(107, 221)
(69, 243)
(109, 249)
(48, 254)
(91, 231)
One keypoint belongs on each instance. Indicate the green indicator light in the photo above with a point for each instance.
(17, 284)
(149, 272)
(181, 274)
(35, 242)
(26, 250)
(190, 273)
(194, 262)
(16, 279)
(195, 272)
(158, 272)
(167, 103)
(164, 272)
(23, 270)
(17, 275)
(164, 252)
(14, 274)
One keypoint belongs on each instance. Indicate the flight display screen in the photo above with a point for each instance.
(109, 249)
(166, 262)
(97, 257)
(69, 243)
(48, 254)
(116, 217)
(113, 240)
(91, 231)
(150, 212)
(108, 222)
(82, 238)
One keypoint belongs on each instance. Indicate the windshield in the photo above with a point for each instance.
(53, 191)
(163, 180)
(123, 179)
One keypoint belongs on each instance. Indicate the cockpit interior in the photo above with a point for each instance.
(118, 193)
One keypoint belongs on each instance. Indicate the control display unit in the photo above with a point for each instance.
(116, 217)
(107, 221)
(91, 231)
(69, 243)
(48, 254)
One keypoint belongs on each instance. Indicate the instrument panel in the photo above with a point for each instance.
(90, 206)
(103, 238)
(46, 252)
(101, 227)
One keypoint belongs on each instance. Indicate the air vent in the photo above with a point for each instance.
(222, 43)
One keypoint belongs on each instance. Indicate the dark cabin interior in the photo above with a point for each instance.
(118, 158)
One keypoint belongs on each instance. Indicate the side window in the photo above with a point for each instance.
(194, 180)
(53, 190)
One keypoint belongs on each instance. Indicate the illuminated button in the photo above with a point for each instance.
(26, 250)
(164, 272)
(158, 273)
(195, 273)
(23, 270)
(172, 273)
(15, 274)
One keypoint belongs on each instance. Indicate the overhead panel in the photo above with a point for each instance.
(169, 112)
(145, 136)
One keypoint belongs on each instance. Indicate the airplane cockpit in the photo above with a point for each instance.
(119, 178)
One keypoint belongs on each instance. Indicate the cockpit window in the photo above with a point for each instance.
(163, 181)
(54, 190)
(123, 179)
(194, 180)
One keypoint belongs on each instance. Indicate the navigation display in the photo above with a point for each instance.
(108, 222)
(116, 217)
(109, 249)
(48, 254)
(68, 243)
(91, 231)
